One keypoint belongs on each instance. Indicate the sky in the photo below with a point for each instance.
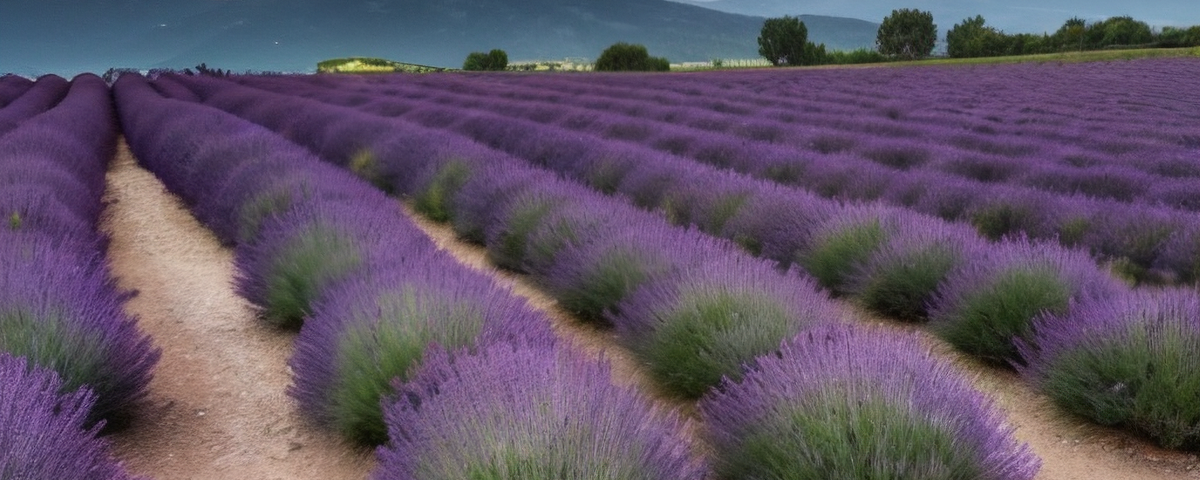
(1012, 16)
(69, 36)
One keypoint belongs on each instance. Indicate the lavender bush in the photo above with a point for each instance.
(840, 245)
(301, 253)
(984, 306)
(899, 279)
(846, 402)
(62, 311)
(35, 99)
(711, 321)
(531, 413)
(376, 327)
(1132, 360)
(591, 278)
(12, 87)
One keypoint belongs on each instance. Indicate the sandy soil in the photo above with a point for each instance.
(217, 407)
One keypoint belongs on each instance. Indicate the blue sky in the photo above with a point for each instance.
(1013, 16)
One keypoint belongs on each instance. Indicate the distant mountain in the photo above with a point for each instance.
(68, 36)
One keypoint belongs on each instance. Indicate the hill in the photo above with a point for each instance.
(66, 36)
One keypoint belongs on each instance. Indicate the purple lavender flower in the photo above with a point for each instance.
(777, 222)
(840, 401)
(530, 413)
(843, 243)
(44, 432)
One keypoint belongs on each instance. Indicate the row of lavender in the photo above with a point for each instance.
(985, 297)
(71, 359)
(11, 88)
(1130, 114)
(699, 313)
(1152, 238)
(836, 244)
(1109, 233)
(21, 99)
(397, 343)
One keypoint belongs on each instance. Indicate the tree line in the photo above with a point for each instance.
(906, 34)
(973, 38)
(910, 34)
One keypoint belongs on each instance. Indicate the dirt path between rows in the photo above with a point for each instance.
(217, 407)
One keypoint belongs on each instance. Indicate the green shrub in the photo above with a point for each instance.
(494, 60)
(851, 57)
(626, 57)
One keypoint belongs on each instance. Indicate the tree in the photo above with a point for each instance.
(495, 60)
(972, 39)
(783, 41)
(1123, 31)
(627, 57)
(907, 33)
(1072, 33)
(1179, 37)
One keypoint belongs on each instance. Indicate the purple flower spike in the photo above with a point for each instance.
(840, 401)
(529, 413)
(44, 433)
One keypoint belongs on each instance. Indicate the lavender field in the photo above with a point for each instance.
(738, 234)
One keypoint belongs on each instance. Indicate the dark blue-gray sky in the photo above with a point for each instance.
(1013, 16)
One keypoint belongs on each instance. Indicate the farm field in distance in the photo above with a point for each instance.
(972, 271)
